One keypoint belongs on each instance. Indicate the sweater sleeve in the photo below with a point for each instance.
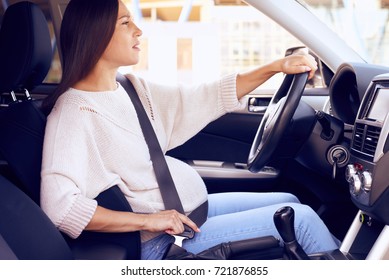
(64, 196)
(185, 110)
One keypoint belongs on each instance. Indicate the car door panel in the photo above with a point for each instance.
(229, 138)
(220, 151)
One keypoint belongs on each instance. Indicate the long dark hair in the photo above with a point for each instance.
(86, 30)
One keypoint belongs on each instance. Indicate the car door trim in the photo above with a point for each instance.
(224, 170)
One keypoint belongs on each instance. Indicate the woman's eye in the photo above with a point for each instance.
(125, 22)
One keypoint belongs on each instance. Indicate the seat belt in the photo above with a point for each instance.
(165, 181)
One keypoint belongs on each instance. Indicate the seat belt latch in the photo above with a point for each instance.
(188, 233)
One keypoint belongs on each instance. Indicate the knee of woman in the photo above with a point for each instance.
(288, 197)
(304, 212)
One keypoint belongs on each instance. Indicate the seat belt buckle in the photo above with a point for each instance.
(188, 233)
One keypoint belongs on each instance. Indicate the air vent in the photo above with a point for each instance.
(366, 138)
(371, 140)
(358, 136)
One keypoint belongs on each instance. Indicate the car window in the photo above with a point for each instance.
(55, 72)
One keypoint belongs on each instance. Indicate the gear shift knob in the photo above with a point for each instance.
(284, 222)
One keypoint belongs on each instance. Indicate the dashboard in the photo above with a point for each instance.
(359, 97)
(348, 88)
(367, 171)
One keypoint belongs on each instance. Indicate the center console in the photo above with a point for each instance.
(368, 174)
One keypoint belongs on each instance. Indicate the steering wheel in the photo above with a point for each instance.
(276, 120)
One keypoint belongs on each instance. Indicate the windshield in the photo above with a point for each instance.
(361, 23)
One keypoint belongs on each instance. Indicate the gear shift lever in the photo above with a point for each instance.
(284, 222)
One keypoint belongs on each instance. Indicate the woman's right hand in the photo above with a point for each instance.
(169, 221)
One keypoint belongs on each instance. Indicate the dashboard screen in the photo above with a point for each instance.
(380, 105)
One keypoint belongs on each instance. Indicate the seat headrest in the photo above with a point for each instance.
(25, 45)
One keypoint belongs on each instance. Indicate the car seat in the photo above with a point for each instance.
(25, 231)
(25, 59)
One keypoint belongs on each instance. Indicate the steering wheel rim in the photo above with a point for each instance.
(276, 119)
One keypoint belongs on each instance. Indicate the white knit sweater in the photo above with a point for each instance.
(93, 141)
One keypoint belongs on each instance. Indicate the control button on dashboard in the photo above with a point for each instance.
(350, 172)
(355, 184)
(366, 180)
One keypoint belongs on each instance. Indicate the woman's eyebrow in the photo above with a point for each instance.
(128, 16)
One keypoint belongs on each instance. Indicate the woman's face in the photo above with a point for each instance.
(123, 49)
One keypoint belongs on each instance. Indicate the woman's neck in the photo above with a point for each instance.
(98, 81)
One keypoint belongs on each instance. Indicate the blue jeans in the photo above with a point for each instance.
(238, 216)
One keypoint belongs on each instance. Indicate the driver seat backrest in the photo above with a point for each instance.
(25, 59)
(26, 51)
(22, 124)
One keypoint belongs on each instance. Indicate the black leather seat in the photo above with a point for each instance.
(25, 231)
(26, 51)
(25, 58)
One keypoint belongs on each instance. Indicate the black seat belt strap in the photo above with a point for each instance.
(165, 181)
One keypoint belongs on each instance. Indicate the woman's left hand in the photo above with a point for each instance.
(298, 63)
(293, 64)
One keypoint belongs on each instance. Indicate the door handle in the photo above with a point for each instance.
(257, 109)
(258, 104)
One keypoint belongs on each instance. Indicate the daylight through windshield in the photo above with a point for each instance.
(363, 24)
